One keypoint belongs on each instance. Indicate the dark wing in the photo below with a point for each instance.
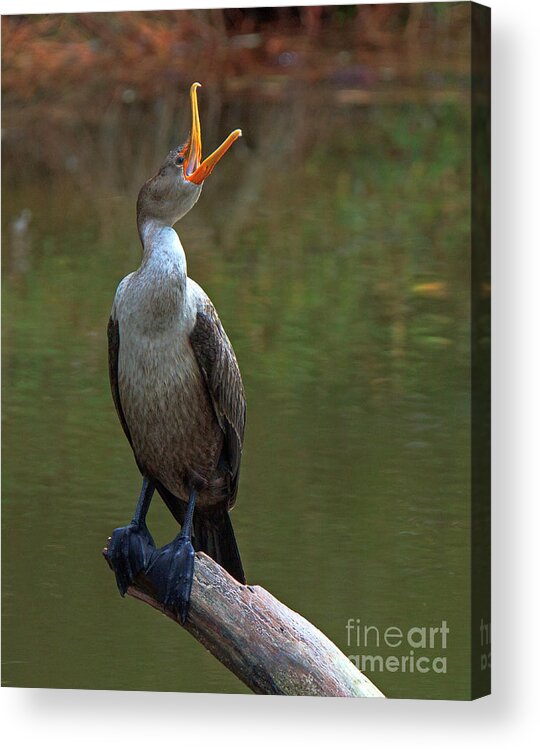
(113, 335)
(219, 367)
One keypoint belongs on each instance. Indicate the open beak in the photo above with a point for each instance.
(195, 171)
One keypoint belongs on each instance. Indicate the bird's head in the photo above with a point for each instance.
(175, 189)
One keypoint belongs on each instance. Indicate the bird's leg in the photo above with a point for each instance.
(132, 546)
(173, 566)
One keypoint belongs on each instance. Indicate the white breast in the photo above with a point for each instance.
(155, 317)
(161, 390)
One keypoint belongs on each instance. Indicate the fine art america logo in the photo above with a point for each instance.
(418, 649)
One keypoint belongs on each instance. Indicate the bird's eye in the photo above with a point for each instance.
(179, 160)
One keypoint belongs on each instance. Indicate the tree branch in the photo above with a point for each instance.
(268, 646)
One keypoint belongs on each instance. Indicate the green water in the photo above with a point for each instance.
(342, 280)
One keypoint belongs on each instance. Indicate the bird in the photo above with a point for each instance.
(177, 389)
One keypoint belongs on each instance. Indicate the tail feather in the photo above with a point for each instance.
(213, 533)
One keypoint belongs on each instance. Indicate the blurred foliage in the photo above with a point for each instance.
(98, 94)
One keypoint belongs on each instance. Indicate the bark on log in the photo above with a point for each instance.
(271, 648)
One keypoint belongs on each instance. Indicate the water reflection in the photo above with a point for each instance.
(344, 291)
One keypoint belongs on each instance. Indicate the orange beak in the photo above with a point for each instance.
(195, 171)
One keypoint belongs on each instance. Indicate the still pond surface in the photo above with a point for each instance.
(341, 279)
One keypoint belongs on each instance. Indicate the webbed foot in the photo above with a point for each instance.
(173, 566)
(129, 552)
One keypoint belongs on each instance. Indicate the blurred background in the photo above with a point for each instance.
(334, 241)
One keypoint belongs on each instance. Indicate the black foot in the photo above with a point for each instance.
(173, 565)
(129, 552)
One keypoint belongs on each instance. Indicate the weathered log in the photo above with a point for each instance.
(271, 648)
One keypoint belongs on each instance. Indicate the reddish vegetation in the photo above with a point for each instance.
(70, 81)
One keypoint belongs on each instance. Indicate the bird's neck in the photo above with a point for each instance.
(163, 255)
